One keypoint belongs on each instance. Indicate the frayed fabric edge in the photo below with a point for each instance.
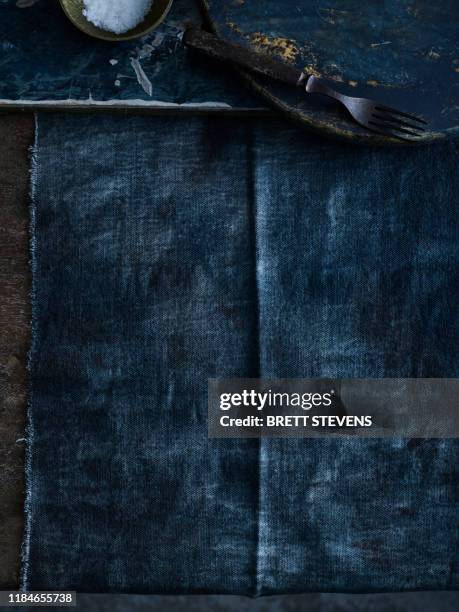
(29, 434)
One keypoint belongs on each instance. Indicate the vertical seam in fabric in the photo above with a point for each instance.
(252, 197)
(25, 549)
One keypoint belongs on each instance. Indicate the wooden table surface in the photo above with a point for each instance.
(16, 136)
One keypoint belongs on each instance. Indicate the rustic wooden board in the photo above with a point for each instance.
(16, 135)
(47, 63)
(401, 52)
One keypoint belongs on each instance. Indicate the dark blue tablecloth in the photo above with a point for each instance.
(170, 250)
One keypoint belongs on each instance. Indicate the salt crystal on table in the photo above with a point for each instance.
(116, 15)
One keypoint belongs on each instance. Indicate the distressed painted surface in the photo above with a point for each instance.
(44, 57)
(402, 52)
(405, 54)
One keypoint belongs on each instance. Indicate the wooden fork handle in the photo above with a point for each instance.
(238, 55)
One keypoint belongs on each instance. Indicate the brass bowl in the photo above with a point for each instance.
(74, 11)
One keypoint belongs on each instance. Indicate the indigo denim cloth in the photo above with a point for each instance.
(169, 250)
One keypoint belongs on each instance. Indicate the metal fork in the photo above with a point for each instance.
(368, 113)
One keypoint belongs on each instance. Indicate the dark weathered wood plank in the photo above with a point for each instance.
(16, 134)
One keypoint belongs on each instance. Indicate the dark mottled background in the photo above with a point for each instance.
(16, 134)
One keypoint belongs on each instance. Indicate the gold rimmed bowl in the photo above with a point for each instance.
(157, 13)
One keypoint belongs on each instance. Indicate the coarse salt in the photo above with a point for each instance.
(116, 15)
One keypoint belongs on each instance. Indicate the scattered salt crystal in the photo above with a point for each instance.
(116, 15)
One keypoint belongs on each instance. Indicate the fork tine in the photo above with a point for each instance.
(398, 122)
(391, 130)
(394, 111)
